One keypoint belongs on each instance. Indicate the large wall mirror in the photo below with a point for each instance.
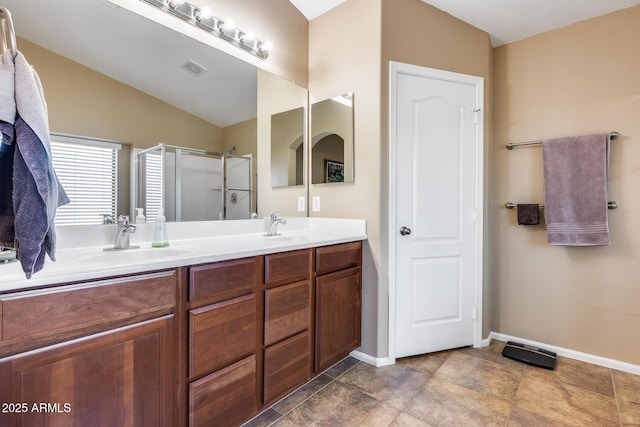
(332, 140)
(155, 86)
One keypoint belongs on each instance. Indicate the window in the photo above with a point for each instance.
(88, 170)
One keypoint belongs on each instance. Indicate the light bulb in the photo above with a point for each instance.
(227, 25)
(175, 3)
(248, 37)
(204, 13)
(266, 47)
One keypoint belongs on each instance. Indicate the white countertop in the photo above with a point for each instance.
(81, 255)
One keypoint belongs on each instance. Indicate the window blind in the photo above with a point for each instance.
(88, 171)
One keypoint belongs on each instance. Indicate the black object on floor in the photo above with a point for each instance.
(530, 355)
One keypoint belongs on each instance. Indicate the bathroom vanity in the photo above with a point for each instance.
(201, 336)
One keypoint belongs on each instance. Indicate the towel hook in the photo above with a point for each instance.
(8, 31)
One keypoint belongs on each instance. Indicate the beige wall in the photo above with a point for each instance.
(579, 79)
(357, 60)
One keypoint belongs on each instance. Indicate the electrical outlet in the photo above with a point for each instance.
(301, 206)
(316, 203)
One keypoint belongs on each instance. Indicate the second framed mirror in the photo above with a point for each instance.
(332, 140)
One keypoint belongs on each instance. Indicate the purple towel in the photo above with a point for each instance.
(575, 190)
(528, 214)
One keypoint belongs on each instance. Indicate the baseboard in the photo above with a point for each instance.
(375, 361)
(572, 354)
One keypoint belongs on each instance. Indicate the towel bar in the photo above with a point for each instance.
(511, 205)
(511, 145)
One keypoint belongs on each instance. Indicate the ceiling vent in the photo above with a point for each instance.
(193, 67)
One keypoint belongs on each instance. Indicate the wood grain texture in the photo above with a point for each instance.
(224, 280)
(286, 366)
(221, 334)
(121, 377)
(338, 257)
(287, 311)
(41, 313)
(225, 398)
(338, 316)
(287, 267)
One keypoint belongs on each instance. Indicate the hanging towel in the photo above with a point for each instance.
(7, 132)
(575, 190)
(37, 192)
(528, 214)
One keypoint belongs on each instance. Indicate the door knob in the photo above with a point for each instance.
(405, 231)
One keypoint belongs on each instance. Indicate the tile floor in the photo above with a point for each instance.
(463, 387)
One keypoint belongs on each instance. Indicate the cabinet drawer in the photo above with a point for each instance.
(226, 397)
(338, 257)
(286, 366)
(287, 267)
(287, 311)
(224, 280)
(75, 309)
(220, 334)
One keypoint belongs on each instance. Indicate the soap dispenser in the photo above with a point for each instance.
(160, 239)
(140, 219)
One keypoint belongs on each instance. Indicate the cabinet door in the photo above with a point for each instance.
(338, 302)
(123, 377)
(226, 397)
(221, 334)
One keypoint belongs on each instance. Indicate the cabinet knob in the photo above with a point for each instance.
(405, 231)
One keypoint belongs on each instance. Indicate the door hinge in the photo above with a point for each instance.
(474, 313)
(476, 115)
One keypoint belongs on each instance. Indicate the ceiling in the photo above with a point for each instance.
(506, 21)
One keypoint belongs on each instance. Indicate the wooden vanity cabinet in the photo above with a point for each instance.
(338, 301)
(110, 358)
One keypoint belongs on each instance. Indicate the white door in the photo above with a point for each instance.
(438, 143)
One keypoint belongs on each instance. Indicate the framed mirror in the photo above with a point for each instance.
(117, 75)
(332, 140)
(287, 148)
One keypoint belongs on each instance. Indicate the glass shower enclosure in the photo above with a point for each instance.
(194, 185)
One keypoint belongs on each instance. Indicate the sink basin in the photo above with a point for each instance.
(133, 255)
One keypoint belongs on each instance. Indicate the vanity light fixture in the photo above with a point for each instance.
(225, 29)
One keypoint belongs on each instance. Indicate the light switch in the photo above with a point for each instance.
(316, 204)
(301, 204)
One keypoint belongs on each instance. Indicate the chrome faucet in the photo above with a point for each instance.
(125, 229)
(273, 224)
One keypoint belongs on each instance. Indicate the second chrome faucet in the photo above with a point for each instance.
(274, 220)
